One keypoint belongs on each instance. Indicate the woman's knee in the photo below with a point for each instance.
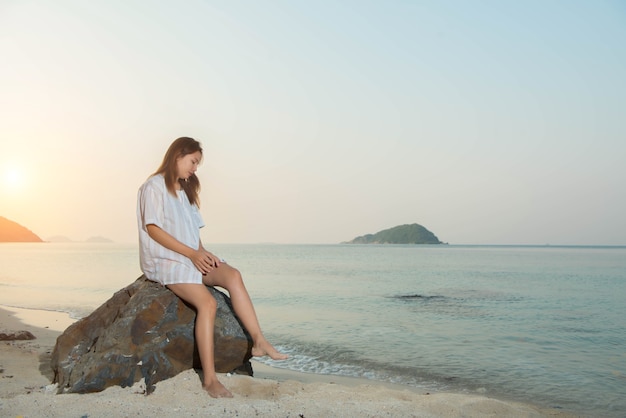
(196, 295)
(225, 276)
(234, 280)
(235, 276)
(208, 303)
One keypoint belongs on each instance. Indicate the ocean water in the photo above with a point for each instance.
(545, 325)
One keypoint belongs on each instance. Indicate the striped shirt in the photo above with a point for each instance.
(176, 216)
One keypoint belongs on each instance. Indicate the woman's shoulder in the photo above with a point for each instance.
(154, 181)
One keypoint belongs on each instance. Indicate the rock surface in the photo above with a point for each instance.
(143, 332)
(18, 335)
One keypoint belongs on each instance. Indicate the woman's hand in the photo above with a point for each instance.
(204, 260)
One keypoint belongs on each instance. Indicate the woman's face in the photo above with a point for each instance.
(188, 164)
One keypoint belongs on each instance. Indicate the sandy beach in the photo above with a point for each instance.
(26, 391)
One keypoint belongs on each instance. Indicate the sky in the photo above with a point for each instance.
(487, 122)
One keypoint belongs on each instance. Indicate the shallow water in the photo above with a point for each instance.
(539, 324)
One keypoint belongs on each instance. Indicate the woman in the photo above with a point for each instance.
(172, 254)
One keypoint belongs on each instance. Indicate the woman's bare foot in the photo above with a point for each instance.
(264, 348)
(217, 390)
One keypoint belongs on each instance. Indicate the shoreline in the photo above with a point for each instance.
(26, 389)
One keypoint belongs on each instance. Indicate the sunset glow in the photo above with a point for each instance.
(485, 122)
(12, 179)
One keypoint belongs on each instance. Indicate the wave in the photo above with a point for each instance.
(327, 359)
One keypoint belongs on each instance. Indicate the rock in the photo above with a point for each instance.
(143, 332)
(18, 335)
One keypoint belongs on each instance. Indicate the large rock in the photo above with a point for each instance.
(143, 331)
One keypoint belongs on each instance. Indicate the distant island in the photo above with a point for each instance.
(98, 239)
(58, 238)
(63, 238)
(401, 234)
(13, 232)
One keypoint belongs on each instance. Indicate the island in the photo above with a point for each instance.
(13, 232)
(98, 239)
(62, 238)
(401, 234)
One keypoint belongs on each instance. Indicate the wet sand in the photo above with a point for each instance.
(26, 389)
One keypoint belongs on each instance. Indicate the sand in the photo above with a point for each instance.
(26, 391)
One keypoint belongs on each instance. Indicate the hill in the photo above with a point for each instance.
(58, 238)
(63, 238)
(401, 234)
(13, 232)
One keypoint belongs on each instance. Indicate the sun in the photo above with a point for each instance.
(12, 178)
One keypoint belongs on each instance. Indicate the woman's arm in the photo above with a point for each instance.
(202, 259)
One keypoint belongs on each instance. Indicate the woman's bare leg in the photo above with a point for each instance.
(230, 279)
(201, 299)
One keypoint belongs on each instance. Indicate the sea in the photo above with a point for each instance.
(538, 324)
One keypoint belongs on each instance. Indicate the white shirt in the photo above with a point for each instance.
(176, 216)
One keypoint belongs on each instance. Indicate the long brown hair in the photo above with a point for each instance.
(179, 148)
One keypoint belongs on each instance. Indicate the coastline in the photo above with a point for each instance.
(26, 389)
